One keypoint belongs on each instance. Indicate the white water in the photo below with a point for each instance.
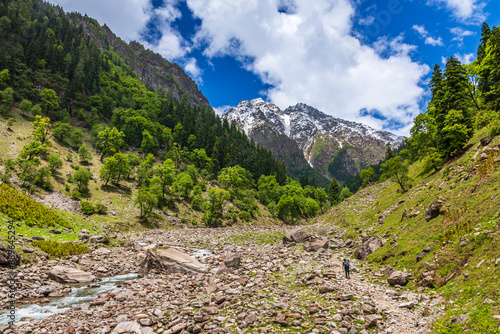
(77, 296)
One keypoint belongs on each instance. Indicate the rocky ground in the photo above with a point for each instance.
(266, 286)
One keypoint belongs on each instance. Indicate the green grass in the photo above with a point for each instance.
(470, 209)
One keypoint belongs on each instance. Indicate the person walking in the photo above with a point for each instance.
(346, 266)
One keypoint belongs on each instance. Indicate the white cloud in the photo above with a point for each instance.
(425, 34)
(312, 57)
(460, 34)
(466, 58)
(467, 11)
(192, 68)
(126, 18)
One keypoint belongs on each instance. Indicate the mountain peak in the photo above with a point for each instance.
(318, 135)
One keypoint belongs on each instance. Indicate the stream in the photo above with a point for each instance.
(78, 295)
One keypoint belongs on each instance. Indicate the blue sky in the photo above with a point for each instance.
(361, 60)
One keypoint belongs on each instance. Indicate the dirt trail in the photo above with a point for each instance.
(388, 300)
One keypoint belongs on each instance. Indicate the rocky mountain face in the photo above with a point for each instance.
(153, 70)
(334, 146)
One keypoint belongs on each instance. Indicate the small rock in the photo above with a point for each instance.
(28, 250)
(371, 320)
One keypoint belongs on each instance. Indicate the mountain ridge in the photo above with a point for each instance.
(318, 136)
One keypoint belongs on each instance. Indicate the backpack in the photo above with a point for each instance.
(346, 264)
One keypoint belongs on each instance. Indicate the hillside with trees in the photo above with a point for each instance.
(84, 124)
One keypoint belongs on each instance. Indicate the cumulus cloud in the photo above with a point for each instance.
(467, 11)
(425, 35)
(311, 56)
(126, 18)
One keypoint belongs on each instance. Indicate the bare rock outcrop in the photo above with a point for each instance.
(170, 261)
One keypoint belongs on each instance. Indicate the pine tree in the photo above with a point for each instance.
(333, 191)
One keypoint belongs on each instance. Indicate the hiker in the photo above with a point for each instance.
(345, 264)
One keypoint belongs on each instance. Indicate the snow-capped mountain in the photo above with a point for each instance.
(317, 136)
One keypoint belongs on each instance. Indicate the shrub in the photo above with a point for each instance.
(87, 207)
(101, 209)
(61, 249)
(21, 207)
(243, 215)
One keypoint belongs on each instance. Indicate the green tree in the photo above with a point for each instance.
(33, 150)
(366, 175)
(321, 197)
(345, 194)
(146, 200)
(50, 101)
(84, 154)
(166, 174)
(110, 140)
(149, 143)
(432, 161)
(4, 77)
(184, 183)
(457, 130)
(333, 191)
(55, 162)
(7, 101)
(396, 170)
(25, 107)
(76, 138)
(36, 110)
(42, 178)
(145, 170)
(114, 168)
(215, 206)
(43, 129)
(81, 177)
(60, 131)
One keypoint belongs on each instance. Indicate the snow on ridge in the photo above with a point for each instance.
(300, 121)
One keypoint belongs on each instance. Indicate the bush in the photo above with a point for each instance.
(101, 209)
(87, 208)
(243, 215)
(61, 249)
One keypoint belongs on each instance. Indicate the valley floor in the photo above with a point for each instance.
(278, 288)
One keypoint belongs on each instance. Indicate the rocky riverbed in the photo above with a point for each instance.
(266, 285)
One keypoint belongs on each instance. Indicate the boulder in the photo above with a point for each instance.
(433, 210)
(28, 250)
(97, 239)
(127, 327)
(5, 253)
(230, 263)
(371, 320)
(370, 245)
(82, 237)
(70, 275)
(427, 279)
(296, 236)
(170, 261)
(398, 277)
(315, 245)
(35, 238)
(388, 271)
(460, 319)
(424, 252)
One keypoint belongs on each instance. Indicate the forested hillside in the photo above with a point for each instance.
(80, 121)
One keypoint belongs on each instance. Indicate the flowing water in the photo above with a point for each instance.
(78, 295)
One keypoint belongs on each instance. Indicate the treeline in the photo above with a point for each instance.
(465, 99)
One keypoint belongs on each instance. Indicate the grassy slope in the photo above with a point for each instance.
(471, 214)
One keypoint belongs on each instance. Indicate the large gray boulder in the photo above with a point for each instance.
(367, 247)
(170, 261)
(314, 245)
(230, 263)
(70, 275)
(128, 327)
(296, 236)
(398, 277)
